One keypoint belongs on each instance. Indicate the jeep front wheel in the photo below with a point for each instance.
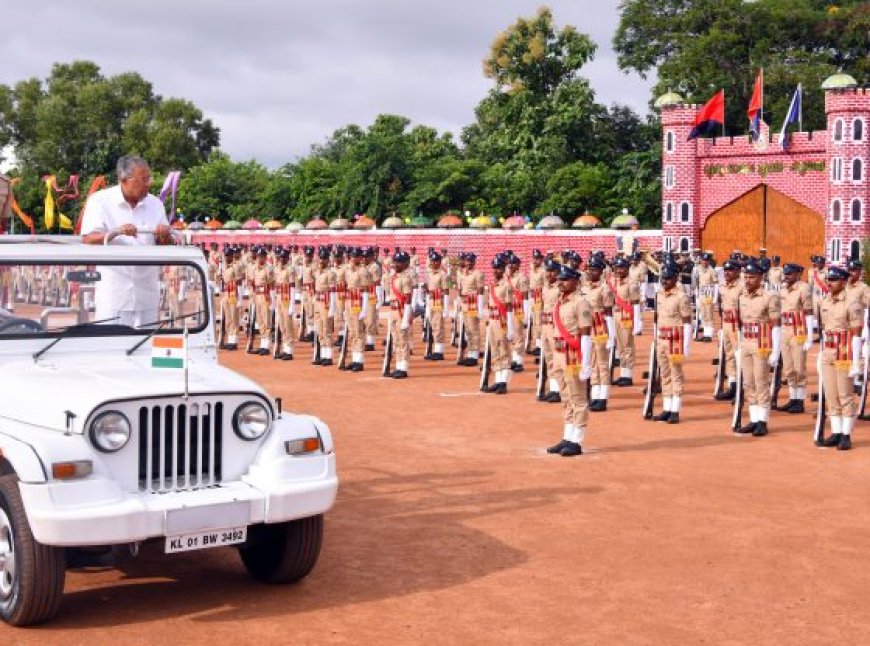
(31, 574)
(283, 552)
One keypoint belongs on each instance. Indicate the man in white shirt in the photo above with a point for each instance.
(127, 214)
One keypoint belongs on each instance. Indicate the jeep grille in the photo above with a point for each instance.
(180, 447)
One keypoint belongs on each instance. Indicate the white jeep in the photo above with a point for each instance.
(114, 433)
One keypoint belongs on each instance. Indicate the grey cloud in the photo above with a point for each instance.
(277, 76)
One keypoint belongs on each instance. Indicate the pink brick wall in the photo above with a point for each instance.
(711, 173)
(484, 243)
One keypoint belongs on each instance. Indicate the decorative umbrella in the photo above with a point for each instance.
(421, 222)
(252, 224)
(364, 222)
(295, 226)
(195, 226)
(179, 224)
(214, 224)
(586, 221)
(232, 225)
(551, 222)
(339, 223)
(514, 222)
(624, 221)
(481, 222)
(273, 225)
(450, 221)
(393, 222)
(316, 223)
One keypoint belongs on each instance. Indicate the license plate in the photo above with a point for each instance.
(203, 540)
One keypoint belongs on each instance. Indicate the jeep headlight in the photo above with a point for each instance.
(110, 431)
(251, 421)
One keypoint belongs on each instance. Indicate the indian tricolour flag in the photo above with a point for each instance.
(168, 352)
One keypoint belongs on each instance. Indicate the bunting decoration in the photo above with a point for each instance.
(170, 189)
(99, 182)
(16, 209)
(69, 192)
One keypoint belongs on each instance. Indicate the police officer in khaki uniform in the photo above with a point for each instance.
(708, 294)
(309, 270)
(436, 288)
(536, 286)
(260, 281)
(285, 296)
(817, 283)
(521, 309)
(376, 298)
(324, 305)
(775, 274)
(760, 345)
(572, 322)
(500, 324)
(673, 313)
(358, 285)
(798, 325)
(857, 290)
(629, 321)
(841, 321)
(729, 292)
(230, 300)
(600, 298)
(401, 292)
(549, 296)
(471, 286)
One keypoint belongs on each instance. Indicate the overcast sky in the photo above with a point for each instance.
(278, 76)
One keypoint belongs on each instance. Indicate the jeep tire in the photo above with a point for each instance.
(283, 552)
(31, 574)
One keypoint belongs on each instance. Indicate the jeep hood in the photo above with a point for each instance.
(40, 393)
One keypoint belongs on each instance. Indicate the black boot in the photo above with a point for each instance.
(326, 362)
(593, 405)
(832, 440)
(287, 356)
(796, 407)
(664, 416)
(557, 448)
(786, 406)
(369, 347)
(436, 356)
(845, 443)
(727, 395)
(356, 367)
(571, 449)
(760, 429)
(399, 374)
(746, 430)
(674, 418)
(553, 397)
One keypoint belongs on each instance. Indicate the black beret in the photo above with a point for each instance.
(401, 256)
(566, 273)
(855, 264)
(434, 255)
(552, 265)
(536, 253)
(837, 273)
(792, 268)
(596, 263)
(670, 271)
(620, 262)
(499, 262)
(731, 264)
(753, 267)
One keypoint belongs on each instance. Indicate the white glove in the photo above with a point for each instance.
(687, 338)
(586, 352)
(415, 297)
(510, 326)
(292, 304)
(480, 309)
(445, 305)
(776, 336)
(811, 330)
(527, 310)
(638, 320)
(363, 310)
(332, 304)
(611, 332)
(857, 342)
(379, 292)
(406, 317)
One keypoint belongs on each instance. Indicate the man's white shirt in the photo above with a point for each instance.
(125, 289)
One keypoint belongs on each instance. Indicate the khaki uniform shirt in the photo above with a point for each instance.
(402, 283)
(285, 278)
(707, 276)
(796, 298)
(672, 307)
(858, 291)
(839, 314)
(436, 283)
(759, 307)
(571, 313)
(549, 294)
(628, 291)
(638, 272)
(774, 275)
(324, 280)
(504, 293)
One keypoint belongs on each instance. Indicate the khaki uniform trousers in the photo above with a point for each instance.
(499, 346)
(599, 363)
(323, 323)
(794, 360)
(756, 374)
(548, 352)
(706, 312)
(573, 392)
(372, 322)
(355, 328)
(671, 371)
(401, 339)
(264, 321)
(730, 343)
(230, 314)
(625, 344)
(308, 308)
(286, 324)
(436, 320)
(839, 396)
(519, 340)
(471, 320)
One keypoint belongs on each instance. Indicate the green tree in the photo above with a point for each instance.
(576, 188)
(79, 121)
(699, 46)
(225, 189)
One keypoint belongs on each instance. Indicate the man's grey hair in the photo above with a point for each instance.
(129, 163)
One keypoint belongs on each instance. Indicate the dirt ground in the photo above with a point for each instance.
(454, 526)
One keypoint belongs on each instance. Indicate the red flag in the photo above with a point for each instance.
(756, 105)
(711, 118)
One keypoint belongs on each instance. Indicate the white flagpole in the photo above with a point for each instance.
(800, 108)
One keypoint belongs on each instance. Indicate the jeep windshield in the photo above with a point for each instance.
(113, 298)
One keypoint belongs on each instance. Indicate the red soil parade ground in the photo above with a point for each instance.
(454, 526)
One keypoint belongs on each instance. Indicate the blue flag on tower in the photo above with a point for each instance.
(794, 116)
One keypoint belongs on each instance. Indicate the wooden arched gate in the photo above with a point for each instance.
(764, 217)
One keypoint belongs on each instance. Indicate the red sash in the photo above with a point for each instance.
(569, 340)
(623, 305)
(500, 307)
(823, 288)
(399, 296)
(284, 291)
